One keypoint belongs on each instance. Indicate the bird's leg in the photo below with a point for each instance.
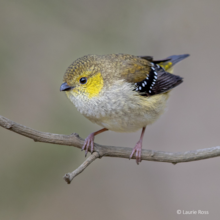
(138, 147)
(89, 141)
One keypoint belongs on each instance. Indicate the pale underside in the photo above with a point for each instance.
(119, 108)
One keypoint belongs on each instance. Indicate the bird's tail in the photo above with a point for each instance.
(169, 62)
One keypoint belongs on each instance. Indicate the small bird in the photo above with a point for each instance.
(120, 92)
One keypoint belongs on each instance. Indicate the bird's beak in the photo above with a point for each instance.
(65, 87)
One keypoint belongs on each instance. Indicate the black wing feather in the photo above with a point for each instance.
(150, 58)
(158, 81)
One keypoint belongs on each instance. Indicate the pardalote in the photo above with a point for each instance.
(120, 92)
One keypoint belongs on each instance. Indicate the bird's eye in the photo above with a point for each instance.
(83, 80)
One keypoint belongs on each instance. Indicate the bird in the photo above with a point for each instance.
(120, 92)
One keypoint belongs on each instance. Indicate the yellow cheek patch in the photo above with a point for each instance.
(94, 85)
(91, 88)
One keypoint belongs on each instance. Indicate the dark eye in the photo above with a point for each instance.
(83, 80)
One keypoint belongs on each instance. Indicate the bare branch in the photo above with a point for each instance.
(69, 176)
(107, 151)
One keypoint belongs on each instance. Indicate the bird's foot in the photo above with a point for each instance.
(137, 150)
(89, 142)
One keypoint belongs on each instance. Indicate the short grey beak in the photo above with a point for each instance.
(65, 87)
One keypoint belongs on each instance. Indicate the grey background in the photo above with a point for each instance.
(38, 40)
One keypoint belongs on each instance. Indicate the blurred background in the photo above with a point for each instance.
(38, 40)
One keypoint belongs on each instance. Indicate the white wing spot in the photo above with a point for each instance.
(143, 84)
(149, 91)
(155, 73)
(155, 77)
(140, 88)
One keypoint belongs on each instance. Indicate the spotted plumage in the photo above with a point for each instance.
(157, 81)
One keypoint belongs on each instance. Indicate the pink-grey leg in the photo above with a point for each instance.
(138, 148)
(89, 141)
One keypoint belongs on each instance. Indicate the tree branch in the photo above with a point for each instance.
(106, 151)
(68, 177)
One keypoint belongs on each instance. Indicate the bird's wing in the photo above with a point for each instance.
(148, 77)
(157, 81)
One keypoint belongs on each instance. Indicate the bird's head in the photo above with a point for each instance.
(83, 78)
